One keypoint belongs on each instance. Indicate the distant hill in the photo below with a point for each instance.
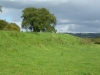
(86, 35)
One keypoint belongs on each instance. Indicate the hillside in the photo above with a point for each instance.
(47, 54)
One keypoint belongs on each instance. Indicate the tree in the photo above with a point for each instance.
(38, 19)
(8, 26)
(0, 8)
(12, 27)
(3, 24)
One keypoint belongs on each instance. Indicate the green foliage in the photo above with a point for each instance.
(47, 54)
(96, 40)
(12, 27)
(38, 19)
(9, 26)
(3, 24)
(0, 8)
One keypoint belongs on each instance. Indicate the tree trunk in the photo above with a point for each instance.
(36, 29)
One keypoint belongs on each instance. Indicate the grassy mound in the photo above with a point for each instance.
(47, 54)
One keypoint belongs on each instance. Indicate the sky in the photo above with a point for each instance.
(72, 15)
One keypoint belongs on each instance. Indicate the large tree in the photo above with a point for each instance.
(0, 8)
(38, 19)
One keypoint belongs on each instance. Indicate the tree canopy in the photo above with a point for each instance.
(12, 27)
(38, 19)
(0, 9)
(8, 26)
(3, 24)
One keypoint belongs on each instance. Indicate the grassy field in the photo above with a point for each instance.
(47, 54)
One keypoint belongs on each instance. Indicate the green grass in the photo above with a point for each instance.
(47, 54)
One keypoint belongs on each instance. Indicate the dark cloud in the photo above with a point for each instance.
(72, 15)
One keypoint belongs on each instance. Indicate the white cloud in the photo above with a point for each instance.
(12, 0)
(64, 20)
(62, 28)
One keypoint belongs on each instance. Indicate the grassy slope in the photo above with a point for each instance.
(47, 54)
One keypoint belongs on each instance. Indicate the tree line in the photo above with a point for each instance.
(4, 25)
(34, 19)
(9, 26)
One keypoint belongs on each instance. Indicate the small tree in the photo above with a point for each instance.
(9, 26)
(12, 27)
(38, 19)
(3, 24)
(0, 8)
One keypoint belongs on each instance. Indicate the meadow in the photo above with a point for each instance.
(47, 54)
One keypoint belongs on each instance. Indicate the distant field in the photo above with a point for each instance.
(47, 54)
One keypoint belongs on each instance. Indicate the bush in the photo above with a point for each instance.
(3, 24)
(9, 26)
(96, 40)
(12, 27)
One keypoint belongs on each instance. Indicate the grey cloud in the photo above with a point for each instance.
(86, 23)
(79, 28)
(82, 13)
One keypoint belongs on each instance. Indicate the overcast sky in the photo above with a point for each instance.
(71, 15)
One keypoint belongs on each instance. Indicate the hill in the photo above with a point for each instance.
(47, 54)
(86, 35)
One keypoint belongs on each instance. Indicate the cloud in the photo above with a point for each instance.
(72, 15)
(62, 28)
